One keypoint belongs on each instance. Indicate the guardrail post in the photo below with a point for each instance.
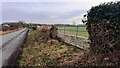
(76, 35)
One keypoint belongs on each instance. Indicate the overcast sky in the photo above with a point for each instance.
(49, 11)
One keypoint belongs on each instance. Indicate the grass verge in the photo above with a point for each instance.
(47, 54)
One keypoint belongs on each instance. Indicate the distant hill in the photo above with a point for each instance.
(11, 24)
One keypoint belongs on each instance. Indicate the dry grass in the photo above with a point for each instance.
(47, 54)
(6, 32)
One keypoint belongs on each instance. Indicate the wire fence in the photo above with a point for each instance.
(75, 35)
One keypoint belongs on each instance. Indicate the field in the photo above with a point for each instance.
(46, 54)
(72, 30)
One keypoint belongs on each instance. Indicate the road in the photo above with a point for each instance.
(7, 37)
(11, 46)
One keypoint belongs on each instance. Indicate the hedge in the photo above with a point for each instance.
(103, 25)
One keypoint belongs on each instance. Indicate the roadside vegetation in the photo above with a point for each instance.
(47, 53)
(6, 32)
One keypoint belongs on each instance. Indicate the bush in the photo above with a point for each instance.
(103, 25)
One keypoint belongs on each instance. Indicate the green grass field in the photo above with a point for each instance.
(72, 30)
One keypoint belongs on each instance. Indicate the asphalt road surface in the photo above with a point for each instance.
(11, 46)
(7, 37)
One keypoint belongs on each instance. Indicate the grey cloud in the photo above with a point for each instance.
(23, 11)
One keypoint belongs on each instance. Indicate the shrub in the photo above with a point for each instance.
(103, 25)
